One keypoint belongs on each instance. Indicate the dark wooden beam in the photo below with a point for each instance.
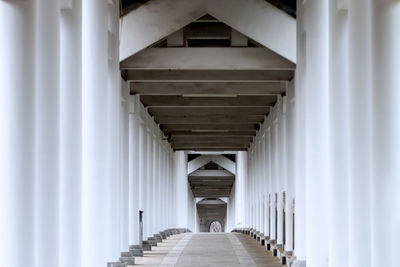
(209, 75)
(221, 119)
(210, 127)
(217, 58)
(210, 144)
(203, 139)
(207, 87)
(182, 101)
(207, 111)
(213, 134)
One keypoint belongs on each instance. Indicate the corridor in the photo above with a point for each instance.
(199, 133)
(208, 249)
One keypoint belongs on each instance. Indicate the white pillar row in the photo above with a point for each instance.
(134, 174)
(385, 198)
(360, 132)
(70, 135)
(47, 126)
(17, 28)
(338, 120)
(317, 135)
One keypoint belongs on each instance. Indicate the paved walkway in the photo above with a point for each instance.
(208, 249)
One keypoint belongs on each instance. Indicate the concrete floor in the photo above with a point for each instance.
(208, 249)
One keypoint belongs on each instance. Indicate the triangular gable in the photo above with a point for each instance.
(222, 161)
(257, 19)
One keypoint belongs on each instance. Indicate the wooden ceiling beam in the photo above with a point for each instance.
(207, 88)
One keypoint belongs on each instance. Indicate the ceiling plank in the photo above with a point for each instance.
(210, 149)
(210, 119)
(210, 144)
(206, 127)
(202, 139)
(212, 134)
(217, 58)
(210, 75)
(182, 101)
(214, 88)
(206, 111)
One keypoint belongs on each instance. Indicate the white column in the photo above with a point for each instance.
(290, 165)
(158, 199)
(275, 173)
(300, 176)
(259, 186)
(281, 178)
(70, 135)
(386, 143)
(268, 174)
(180, 176)
(338, 169)
(96, 178)
(115, 225)
(317, 135)
(360, 132)
(47, 141)
(150, 187)
(263, 180)
(123, 156)
(17, 28)
(142, 156)
(240, 179)
(134, 178)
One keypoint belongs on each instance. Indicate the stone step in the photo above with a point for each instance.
(116, 264)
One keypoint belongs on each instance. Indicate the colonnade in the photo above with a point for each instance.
(330, 154)
(79, 156)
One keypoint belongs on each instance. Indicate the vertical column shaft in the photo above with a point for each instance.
(360, 160)
(17, 28)
(70, 135)
(386, 135)
(338, 169)
(47, 100)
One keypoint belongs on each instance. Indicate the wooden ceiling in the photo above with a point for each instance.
(208, 96)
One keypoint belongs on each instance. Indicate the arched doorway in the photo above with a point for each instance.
(215, 227)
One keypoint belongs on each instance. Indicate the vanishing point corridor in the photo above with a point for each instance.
(199, 133)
